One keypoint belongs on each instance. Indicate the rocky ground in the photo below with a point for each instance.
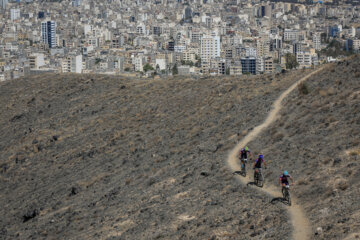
(98, 157)
(316, 139)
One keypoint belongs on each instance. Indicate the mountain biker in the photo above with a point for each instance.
(284, 179)
(258, 162)
(243, 154)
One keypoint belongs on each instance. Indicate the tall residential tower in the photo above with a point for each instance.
(48, 33)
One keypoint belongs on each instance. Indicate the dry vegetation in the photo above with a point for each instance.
(106, 158)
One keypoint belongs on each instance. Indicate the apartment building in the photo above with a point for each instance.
(48, 33)
(36, 60)
(14, 14)
(291, 35)
(210, 48)
(73, 64)
(248, 65)
(304, 59)
(269, 65)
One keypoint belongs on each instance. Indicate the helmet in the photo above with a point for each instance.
(246, 148)
(286, 173)
(261, 156)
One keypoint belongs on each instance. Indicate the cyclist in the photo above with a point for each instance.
(257, 164)
(243, 155)
(284, 179)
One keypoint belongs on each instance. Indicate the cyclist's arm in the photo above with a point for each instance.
(292, 180)
(280, 181)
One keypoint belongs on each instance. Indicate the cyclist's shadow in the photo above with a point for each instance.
(279, 199)
(239, 173)
(251, 183)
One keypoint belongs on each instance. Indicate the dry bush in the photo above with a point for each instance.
(342, 184)
(327, 161)
(356, 142)
(302, 182)
(323, 93)
(278, 137)
(303, 89)
(354, 153)
(331, 119)
(331, 91)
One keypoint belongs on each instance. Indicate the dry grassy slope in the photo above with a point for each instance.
(101, 157)
(317, 140)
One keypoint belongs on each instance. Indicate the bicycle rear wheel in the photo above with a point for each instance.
(260, 180)
(243, 169)
(288, 197)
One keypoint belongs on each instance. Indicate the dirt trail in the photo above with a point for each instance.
(301, 225)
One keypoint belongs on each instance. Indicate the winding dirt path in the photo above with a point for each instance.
(301, 225)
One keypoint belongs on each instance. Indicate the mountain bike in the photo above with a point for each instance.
(286, 194)
(259, 178)
(243, 166)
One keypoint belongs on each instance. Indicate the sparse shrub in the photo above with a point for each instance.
(322, 93)
(356, 142)
(327, 160)
(331, 91)
(354, 153)
(303, 88)
(342, 185)
(278, 137)
(151, 181)
(127, 181)
(302, 182)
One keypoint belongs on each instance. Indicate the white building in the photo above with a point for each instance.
(356, 44)
(304, 59)
(317, 41)
(210, 48)
(72, 64)
(291, 35)
(36, 61)
(14, 14)
(3, 4)
(250, 52)
(139, 62)
(260, 65)
(161, 62)
(140, 29)
(179, 48)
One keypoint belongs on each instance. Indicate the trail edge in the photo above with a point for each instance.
(301, 225)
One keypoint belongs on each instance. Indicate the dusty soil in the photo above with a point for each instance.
(106, 158)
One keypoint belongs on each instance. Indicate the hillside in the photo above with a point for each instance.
(102, 157)
(316, 138)
(98, 157)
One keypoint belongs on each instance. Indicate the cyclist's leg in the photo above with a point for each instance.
(255, 172)
(260, 172)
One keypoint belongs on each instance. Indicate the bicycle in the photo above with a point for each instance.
(243, 166)
(286, 194)
(259, 178)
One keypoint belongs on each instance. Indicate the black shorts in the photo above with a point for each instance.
(285, 182)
